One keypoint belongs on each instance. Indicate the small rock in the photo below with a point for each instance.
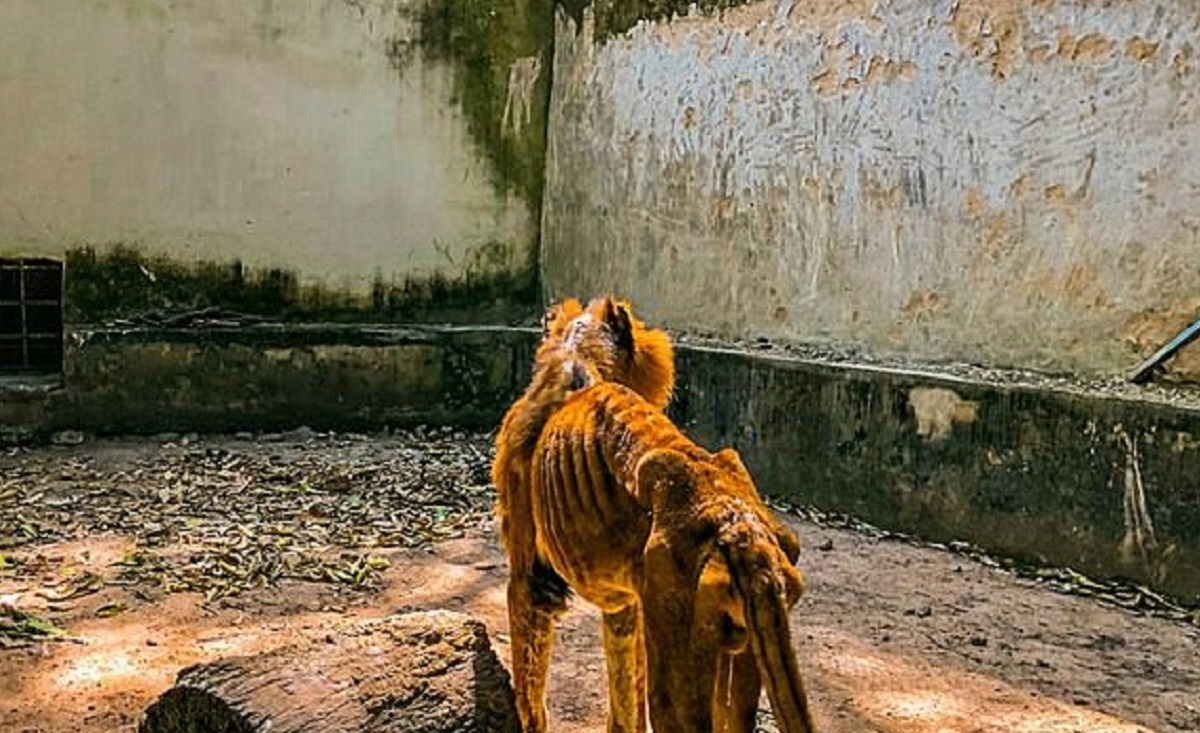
(151, 642)
(301, 433)
(924, 612)
(825, 546)
(271, 437)
(67, 437)
(244, 435)
(167, 437)
(979, 641)
(189, 439)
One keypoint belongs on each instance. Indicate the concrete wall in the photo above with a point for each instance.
(308, 137)
(1007, 182)
(275, 377)
(1055, 474)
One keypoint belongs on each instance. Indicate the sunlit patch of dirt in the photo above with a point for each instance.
(901, 693)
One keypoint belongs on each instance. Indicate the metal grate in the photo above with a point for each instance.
(31, 316)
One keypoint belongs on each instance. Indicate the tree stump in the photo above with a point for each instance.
(430, 671)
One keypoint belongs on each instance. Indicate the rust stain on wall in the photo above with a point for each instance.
(1089, 48)
(882, 69)
(1147, 330)
(938, 410)
(1039, 54)
(846, 73)
(1056, 194)
(825, 82)
(1082, 284)
(1093, 47)
(878, 194)
(974, 206)
(1139, 49)
(990, 31)
(922, 303)
(829, 15)
(1182, 63)
(1021, 187)
(997, 240)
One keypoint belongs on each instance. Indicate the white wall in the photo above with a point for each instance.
(275, 132)
(1014, 183)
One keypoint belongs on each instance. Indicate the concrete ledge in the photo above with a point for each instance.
(274, 377)
(1110, 487)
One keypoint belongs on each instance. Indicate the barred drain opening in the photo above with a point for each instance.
(31, 317)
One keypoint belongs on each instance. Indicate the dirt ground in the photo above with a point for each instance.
(156, 554)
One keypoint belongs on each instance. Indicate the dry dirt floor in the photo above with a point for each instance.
(123, 561)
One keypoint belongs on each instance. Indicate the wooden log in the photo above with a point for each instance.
(428, 671)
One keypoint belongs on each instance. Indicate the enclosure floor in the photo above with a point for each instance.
(891, 637)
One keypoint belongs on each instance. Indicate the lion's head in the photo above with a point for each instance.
(617, 346)
(719, 580)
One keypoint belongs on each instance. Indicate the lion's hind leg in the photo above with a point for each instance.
(536, 597)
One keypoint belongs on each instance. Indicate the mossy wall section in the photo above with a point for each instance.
(145, 381)
(614, 17)
(500, 51)
(342, 159)
(124, 284)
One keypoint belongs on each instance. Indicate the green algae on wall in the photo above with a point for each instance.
(275, 377)
(614, 17)
(500, 52)
(122, 282)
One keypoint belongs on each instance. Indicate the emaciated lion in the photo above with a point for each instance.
(644, 524)
(602, 341)
(692, 573)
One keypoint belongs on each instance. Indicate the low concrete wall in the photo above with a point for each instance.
(1010, 182)
(275, 377)
(1109, 487)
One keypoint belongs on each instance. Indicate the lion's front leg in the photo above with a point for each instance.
(625, 652)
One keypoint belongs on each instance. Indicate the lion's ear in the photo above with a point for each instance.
(664, 479)
(619, 321)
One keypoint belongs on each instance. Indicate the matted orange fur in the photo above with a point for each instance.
(691, 571)
(603, 341)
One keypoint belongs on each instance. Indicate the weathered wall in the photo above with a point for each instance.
(350, 147)
(1013, 183)
(275, 377)
(1052, 474)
